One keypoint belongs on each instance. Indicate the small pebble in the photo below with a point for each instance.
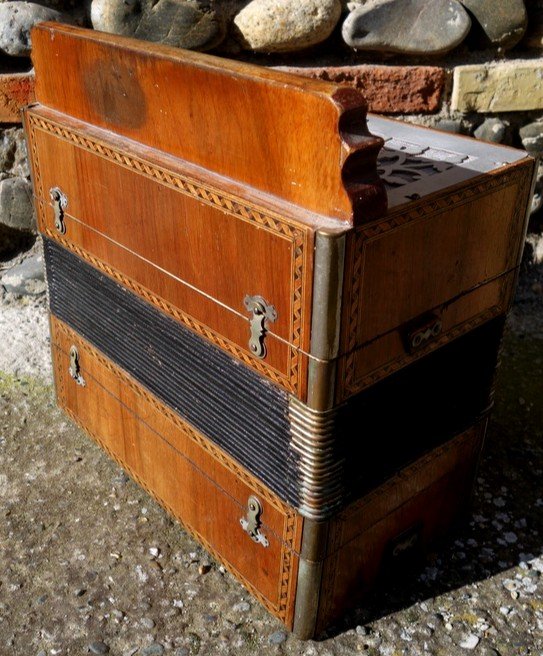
(510, 537)
(98, 647)
(204, 569)
(156, 649)
(148, 623)
(470, 641)
(277, 638)
(241, 607)
(182, 651)
(361, 630)
(155, 552)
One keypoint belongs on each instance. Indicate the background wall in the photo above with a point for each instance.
(466, 66)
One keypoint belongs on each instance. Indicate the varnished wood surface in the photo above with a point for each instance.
(302, 140)
(199, 484)
(207, 491)
(423, 501)
(384, 355)
(450, 254)
(193, 252)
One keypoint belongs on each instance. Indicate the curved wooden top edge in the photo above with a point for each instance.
(305, 141)
(201, 60)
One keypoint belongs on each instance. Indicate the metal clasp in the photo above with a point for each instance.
(428, 332)
(251, 524)
(262, 312)
(60, 202)
(75, 369)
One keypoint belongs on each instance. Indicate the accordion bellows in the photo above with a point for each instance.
(274, 307)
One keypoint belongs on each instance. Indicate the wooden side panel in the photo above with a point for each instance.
(301, 140)
(446, 256)
(389, 353)
(193, 251)
(412, 509)
(180, 468)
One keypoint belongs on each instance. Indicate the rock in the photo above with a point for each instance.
(491, 129)
(534, 33)
(156, 649)
(13, 155)
(16, 20)
(277, 638)
(504, 87)
(148, 623)
(182, 651)
(469, 641)
(16, 209)
(498, 23)
(98, 648)
(407, 26)
(286, 25)
(176, 23)
(532, 138)
(450, 125)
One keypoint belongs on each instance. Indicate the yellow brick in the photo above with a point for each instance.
(508, 87)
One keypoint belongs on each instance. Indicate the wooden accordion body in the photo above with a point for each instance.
(258, 300)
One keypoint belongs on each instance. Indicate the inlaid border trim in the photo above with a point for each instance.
(284, 608)
(417, 211)
(297, 234)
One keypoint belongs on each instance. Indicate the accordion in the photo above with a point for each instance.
(264, 298)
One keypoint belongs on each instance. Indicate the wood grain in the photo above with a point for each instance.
(422, 502)
(302, 140)
(179, 241)
(181, 468)
(453, 254)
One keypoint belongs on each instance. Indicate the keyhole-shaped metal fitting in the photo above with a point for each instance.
(60, 202)
(251, 523)
(262, 312)
(75, 369)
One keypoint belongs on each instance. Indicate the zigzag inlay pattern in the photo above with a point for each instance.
(357, 385)
(192, 434)
(170, 309)
(296, 233)
(285, 580)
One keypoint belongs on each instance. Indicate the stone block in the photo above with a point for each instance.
(16, 91)
(387, 89)
(508, 87)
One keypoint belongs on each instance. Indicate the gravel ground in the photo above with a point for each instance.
(90, 564)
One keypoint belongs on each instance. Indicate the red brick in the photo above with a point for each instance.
(16, 91)
(387, 89)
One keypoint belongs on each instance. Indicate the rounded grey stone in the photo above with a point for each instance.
(532, 138)
(491, 129)
(148, 623)
(499, 23)
(286, 25)
(26, 278)
(16, 21)
(16, 210)
(277, 638)
(98, 647)
(156, 649)
(13, 153)
(450, 125)
(176, 23)
(407, 26)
